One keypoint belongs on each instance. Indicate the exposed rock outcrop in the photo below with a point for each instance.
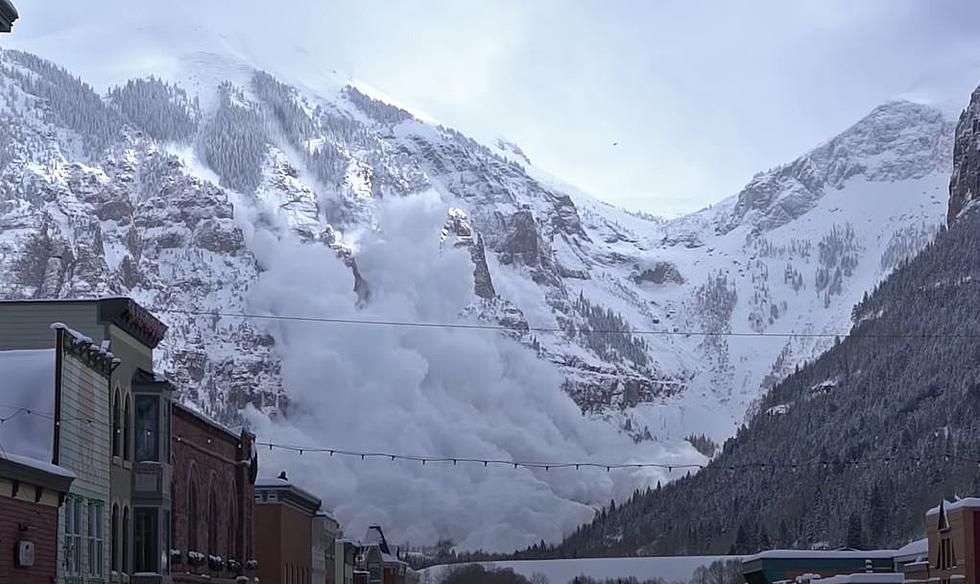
(964, 184)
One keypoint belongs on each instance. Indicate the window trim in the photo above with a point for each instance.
(95, 539)
(116, 423)
(114, 539)
(73, 536)
(128, 428)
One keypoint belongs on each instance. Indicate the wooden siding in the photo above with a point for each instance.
(85, 449)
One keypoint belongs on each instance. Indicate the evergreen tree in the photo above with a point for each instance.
(784, 541)
(855, 533)
(763, 538)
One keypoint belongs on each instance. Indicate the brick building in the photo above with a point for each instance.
(380, 564)
(284, 516)
(953, 531)
(31, 492)
(213, 499)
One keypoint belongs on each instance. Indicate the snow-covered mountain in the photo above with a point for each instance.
(224, 190)
(788, 256)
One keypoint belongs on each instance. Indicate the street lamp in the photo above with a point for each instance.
(8, 14)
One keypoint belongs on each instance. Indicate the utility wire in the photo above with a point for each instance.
(495, 327)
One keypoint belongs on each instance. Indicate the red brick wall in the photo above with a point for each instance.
(42, 524)
(285, 549)
(972, 559)
(220, 464)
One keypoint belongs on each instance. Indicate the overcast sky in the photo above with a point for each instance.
(698, 95)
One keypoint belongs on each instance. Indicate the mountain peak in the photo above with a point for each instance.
(898, 140)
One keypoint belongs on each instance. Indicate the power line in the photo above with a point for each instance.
(501, 328)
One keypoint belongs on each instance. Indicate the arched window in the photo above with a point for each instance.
(127, 428)
(231, 548)
(116, 423)
(192, 514)
(212, 520)
(125, 540)
(114, 535)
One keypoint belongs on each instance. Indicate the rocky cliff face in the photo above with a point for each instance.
(964, 184)
(153, 192)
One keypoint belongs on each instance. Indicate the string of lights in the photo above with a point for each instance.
(541, 329)
(90, 421)
(424, 460)
(669, 467)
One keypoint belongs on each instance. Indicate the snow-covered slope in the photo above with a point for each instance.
(232, 191)
(788, 257)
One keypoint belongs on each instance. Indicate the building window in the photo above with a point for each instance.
(145, 540)
(95, 539)
(147, 428)
(165, 433)
(116, 425)
(73, 536)
(124, 561)
(947, 555)
(192, 516)
(213, 521)
(114, 538)
(127, 427)
(232, 547)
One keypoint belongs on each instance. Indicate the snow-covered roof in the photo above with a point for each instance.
(376, 537)
(269, 482)
(821, 554)
(913, 548)
(325, 513)
(192, 410)
(390, 559)
(277, 483)
(37, 464)
(28, 402)
(83, 342)
(865, 578)
(967, 503)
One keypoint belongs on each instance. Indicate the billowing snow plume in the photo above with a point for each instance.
(426, 391)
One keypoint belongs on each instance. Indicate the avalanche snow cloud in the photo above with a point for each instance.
(425, 391)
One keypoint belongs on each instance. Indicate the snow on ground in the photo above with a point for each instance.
(671, 569)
